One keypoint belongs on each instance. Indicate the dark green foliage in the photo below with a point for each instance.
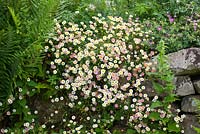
(8, 60)
(163, 77)
(66, 9)
(24, 24)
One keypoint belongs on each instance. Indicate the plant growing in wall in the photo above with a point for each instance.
(162, 80)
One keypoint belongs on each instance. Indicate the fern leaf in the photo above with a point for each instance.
(15, 18)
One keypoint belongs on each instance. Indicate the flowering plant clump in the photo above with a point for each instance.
(177, 31)
(99, 67)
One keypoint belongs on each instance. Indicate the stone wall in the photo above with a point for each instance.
(186, 67)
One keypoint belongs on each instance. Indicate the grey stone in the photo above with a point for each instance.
(189, 104)
(189, 122)
(186, 61)
(150, 91)
(196, 84)
(184, 86)
(149, 88)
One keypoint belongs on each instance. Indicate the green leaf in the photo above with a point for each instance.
(22, 102)
(29, 117)
(156, 104)
(24, 91)
(165, 120)
(158, 132)
(158, 87)
(53, 79)
(99, 131)
(130, 131)
(154, 116)
(32, 83)
(43, 85)
(170, 98)
(15, 18)
(172, 127)
(18, 125)
(19, 83)
(197, 130)
(49, 93)
(116, 132)
(118, 115)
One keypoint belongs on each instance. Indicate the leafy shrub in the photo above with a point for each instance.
(100, 70)
(178, 33)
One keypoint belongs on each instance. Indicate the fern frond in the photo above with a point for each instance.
(66, 9)
(9, 46)
(31, 61)
(15, 18)
(38, 19)
(29, 8)
(20, 55)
